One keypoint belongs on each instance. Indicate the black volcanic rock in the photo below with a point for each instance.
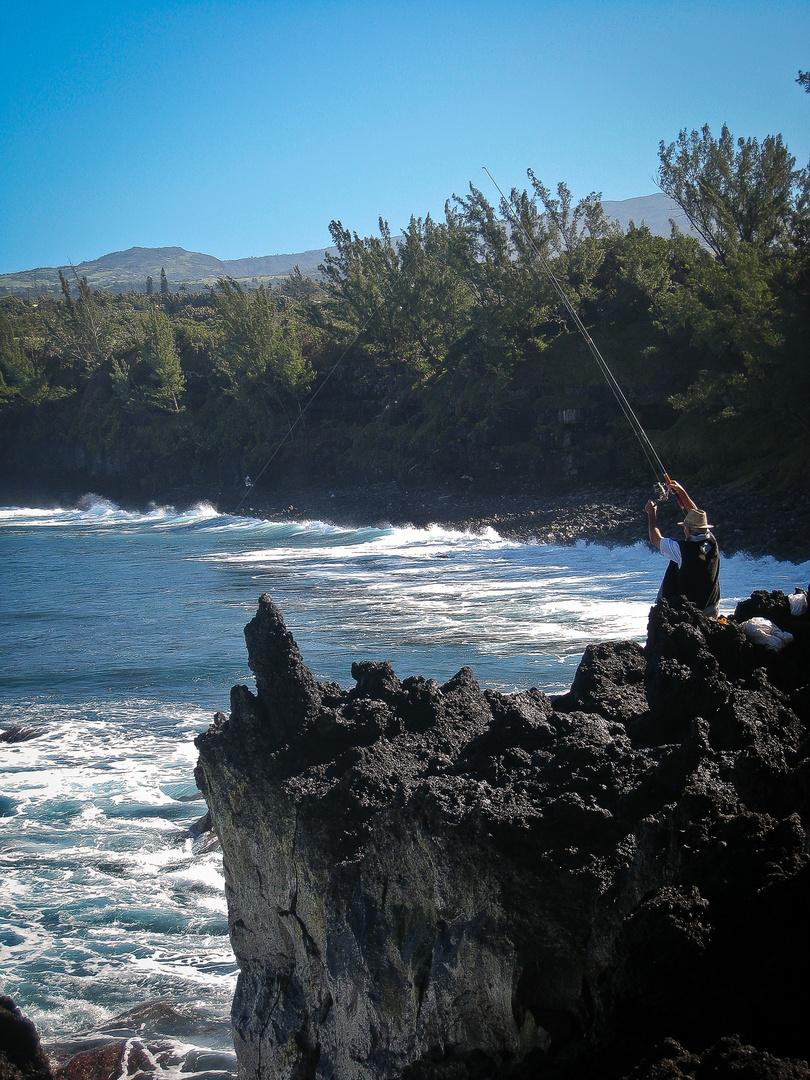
(443, 881)
(21, 1054)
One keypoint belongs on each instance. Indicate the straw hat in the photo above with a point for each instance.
(696, 521)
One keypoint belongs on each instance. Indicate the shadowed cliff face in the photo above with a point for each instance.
(440, 881)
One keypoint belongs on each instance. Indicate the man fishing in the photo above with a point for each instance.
(694, 567)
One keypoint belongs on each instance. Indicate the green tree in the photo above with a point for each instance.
(159, 356)
(569, 236)
(299, 287)
(433, 299)
(164, 282)
(569, 227)
(747, 322)
(730, 310)
(636, 275)
(15, 369)
(18, 379)
(259, 358)
(23, 378)
(481, 248)
(732, 193)
(82, 331)
(406, 294)
(744, 313)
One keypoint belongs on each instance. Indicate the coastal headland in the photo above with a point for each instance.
(435, 881)
(431, 881)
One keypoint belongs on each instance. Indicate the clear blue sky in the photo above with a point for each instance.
(237, 128)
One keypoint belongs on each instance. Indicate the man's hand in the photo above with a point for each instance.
(680, 494)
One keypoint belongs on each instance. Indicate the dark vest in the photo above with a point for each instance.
(698, 577)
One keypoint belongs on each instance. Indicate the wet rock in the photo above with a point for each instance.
(201, 825)
(158, 1018)
(202, 834)
(729, 1058)
(152, 1039)
(286, 688)
(435, 881)
(21, 1053)
(18, 733)
(112, 1061)
(787, 669)
(209, 1061)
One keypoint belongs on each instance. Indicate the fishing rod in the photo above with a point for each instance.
(649, 451)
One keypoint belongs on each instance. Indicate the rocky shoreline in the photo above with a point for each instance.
(772, 523)
(766, 523)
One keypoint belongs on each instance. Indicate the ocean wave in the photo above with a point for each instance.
(94, 511)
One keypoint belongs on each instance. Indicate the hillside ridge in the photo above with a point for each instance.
(127, 270)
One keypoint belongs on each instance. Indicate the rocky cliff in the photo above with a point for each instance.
(444, 881)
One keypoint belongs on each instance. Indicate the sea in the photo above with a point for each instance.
(122, 634)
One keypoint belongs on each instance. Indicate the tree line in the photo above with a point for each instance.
(446, 351)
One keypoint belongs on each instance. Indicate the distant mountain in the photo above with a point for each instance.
(125, 271)
(657, 212)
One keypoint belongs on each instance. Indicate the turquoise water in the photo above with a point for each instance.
(122, 634)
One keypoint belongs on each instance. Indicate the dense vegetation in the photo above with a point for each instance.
(448, 352)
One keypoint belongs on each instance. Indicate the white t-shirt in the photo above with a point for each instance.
(671, 549)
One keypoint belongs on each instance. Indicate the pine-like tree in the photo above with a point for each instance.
(164, 284)
(158, 353)
(733, 192)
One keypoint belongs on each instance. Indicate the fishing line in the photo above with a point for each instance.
(334, 368)
(653, 460)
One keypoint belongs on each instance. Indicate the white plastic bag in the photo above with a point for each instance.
(763, 632)
(798, 602)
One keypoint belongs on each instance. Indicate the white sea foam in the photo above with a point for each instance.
(18, 514)
(93, 510)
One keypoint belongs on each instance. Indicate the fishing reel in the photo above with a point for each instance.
(661, 492)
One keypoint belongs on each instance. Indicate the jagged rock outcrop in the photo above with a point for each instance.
(443, 881)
